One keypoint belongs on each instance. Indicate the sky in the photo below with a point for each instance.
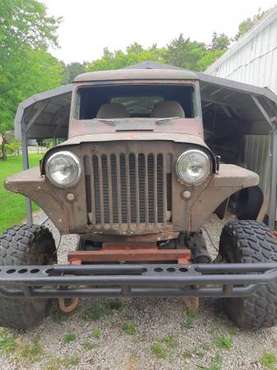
(88, 26)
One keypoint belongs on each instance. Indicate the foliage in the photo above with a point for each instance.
(250, 22)
(30, 352)
(189, 318)
(7, 341)
(164, 347)
(129, 328)
(25, 65)
(180, 52)
(134, 53)
(220, 41)
(224, 342)
(13, 148)
(185, 53)
(96, 333)
(269, 360)
(96, 311)
(69, 337)
(72, 70)
(159, 350)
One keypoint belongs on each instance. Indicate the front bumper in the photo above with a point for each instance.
(68, 281)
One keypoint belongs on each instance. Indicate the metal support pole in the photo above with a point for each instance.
(26, 166)
(273, 185)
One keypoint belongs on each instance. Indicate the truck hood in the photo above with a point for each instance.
(181, 130)
(135, 136)
(192, 126)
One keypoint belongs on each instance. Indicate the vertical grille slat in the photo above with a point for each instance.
(137, 190)
(128, 203)
(133, 188)
(116, 199)
(124, 195)
(101, 193)
(118, 179)
(106, 188)
(164, 185)
(142, 187)
(127, 188)
(151, 187)
(155, 170)
(96, 189)
(160, 188)
(110, 190)
(146, 191)
(90, 189)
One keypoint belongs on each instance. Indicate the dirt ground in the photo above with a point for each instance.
(138, 334)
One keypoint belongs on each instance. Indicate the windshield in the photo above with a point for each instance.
(127, 101)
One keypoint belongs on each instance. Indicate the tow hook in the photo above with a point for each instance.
(68, 305)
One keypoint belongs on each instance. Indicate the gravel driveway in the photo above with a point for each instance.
(131, 334)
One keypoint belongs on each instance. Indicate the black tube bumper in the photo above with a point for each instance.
(68, 281)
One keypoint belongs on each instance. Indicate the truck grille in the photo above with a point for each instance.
(128, 188)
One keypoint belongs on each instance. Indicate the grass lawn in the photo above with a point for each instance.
(12, 206)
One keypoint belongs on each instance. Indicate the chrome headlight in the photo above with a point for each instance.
(193, 167)
(63, 169)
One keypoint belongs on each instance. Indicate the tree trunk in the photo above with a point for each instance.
(3, 147)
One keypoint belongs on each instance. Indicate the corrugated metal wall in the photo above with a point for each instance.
(253, 59)
(257, 158)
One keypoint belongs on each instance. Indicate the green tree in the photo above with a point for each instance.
(185, 53)
(250, 22)
(209, 58)
(72, 70)
(220, 41)
(134, 53)
(25, 65)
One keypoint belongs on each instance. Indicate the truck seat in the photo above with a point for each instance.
(112, 110)
(168, 108)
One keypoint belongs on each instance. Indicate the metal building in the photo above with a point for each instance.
(253, 60)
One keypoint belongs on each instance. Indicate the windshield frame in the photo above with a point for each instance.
(196, 100)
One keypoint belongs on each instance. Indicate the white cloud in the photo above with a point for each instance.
(88, 26)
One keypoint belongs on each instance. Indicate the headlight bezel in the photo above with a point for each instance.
(72, 157)
(189, 152)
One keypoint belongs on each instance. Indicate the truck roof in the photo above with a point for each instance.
(137, 74)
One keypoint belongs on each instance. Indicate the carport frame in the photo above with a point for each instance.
(22, 128)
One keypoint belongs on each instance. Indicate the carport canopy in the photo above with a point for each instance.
(46, 115)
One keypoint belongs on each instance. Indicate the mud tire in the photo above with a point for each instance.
(250, 242)
(25, 245)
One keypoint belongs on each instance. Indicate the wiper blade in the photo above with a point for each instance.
(106, 121)
(162, 121)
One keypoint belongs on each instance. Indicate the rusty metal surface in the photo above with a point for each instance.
(187, 214)
(178, 130)
(131, 254)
